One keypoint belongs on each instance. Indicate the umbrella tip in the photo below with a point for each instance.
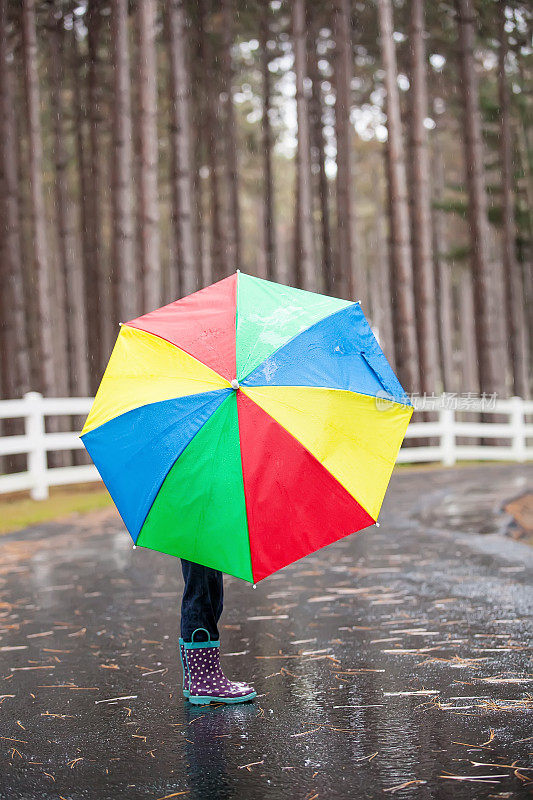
(235, 383)
(134, 547)
(254, 586)
(377, 524)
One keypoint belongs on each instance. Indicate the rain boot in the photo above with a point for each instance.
(185, 681)
(206, 681)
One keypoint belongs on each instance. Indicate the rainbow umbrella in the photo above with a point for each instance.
(245, 426)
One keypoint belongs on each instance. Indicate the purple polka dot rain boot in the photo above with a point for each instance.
(185, 681)
(206, 681)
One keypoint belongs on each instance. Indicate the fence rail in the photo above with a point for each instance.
(442, 434)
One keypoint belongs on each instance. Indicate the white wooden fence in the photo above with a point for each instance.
(513, 439)
(449, 430)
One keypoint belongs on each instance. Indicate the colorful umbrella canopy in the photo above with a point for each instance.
(242, 428)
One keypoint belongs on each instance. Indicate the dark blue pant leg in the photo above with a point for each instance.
(202, 602)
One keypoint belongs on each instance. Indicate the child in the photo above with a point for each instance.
(201, 607)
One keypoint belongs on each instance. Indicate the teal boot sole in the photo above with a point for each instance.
(204, 700)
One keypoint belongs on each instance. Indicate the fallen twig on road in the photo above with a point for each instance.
(305, 733)
(252, 764)
(114, 699)
(394, 789)
(408, 694)
(456, 661)
(474, 778)
(500, 766)
(479, 746)
(507, 680)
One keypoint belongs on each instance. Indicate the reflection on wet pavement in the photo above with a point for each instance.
(394, 662)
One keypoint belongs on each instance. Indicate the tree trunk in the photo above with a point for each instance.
(307, 266)
(83, 181)
(124, 284)
(420, 206)
(526, 246)
(380, 276)
(201, 230)
(25, 224)
(99, 291)
(233, 234)
(210, 91)
(296, 243)
(71, 283)
(38, 212)
(148, 197)
(469, 382)
(345, 284)
(513, 284)
(269, 237)
(77, 84)
(400, 246)
(183, 189)
(14, 344)
(92, 227)
(491, 376)
(318, 144)
(443, 283)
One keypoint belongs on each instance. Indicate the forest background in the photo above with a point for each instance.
(379, 151)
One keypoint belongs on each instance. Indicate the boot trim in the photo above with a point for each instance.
(203, 700)
(194, 645)
(185, 691)
(209, 643)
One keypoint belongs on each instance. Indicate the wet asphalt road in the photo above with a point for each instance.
(394, 657)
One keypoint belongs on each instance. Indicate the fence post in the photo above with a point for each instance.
(447, 436)
(518, 428)
(35, 430)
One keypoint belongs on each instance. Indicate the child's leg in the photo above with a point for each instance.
(201, 606)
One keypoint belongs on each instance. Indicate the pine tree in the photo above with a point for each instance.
(42, 265)
(304, 218)
(148, 197)
(14, 344)
(124, 283)
(403, 306)
(269, 234)
(183, 189)
(345, 285)
(513, 283)
(491, 376)
(420, 206)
